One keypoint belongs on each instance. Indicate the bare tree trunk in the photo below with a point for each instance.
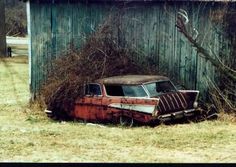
(2, 29)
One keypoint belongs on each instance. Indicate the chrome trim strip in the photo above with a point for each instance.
(175, 100)
(162, 104)
(135, 107)
(166, 102)
(180, 99)
(171, 101)
(186, 104)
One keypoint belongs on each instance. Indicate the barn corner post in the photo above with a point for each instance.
(32, 94)
(3, 45)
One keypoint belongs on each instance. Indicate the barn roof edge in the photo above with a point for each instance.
(133, 0)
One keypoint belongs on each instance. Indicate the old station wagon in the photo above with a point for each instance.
(141, 98)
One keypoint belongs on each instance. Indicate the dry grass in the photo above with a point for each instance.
(27, 135)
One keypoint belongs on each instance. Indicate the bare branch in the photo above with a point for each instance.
(213, 86)
(184, 14)
(227, 71)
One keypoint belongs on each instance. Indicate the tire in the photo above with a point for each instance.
(126, 121)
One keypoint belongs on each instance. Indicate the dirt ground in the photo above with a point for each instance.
(27, 135)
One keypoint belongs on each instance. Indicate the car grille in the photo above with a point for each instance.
(171, 102)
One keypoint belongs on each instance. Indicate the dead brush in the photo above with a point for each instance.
(100, 57)
(226, 112)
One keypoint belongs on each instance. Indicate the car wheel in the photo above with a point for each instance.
(126, 121)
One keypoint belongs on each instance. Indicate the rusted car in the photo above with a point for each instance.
(135, 98)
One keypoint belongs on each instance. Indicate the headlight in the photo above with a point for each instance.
(195, 104)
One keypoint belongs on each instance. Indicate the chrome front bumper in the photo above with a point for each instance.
(177, 115)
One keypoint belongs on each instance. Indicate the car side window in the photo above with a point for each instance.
(114, 90)
(93, 89)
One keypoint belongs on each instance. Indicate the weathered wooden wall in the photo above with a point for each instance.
(147, 27)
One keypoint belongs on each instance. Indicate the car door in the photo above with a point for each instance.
(93, 100)
(89, 107)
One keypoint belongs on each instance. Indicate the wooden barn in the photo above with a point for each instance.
(148, 26)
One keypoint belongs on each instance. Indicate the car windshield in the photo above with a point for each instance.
(126, 90)
(158, 88)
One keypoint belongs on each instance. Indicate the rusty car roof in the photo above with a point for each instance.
(131, 79)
